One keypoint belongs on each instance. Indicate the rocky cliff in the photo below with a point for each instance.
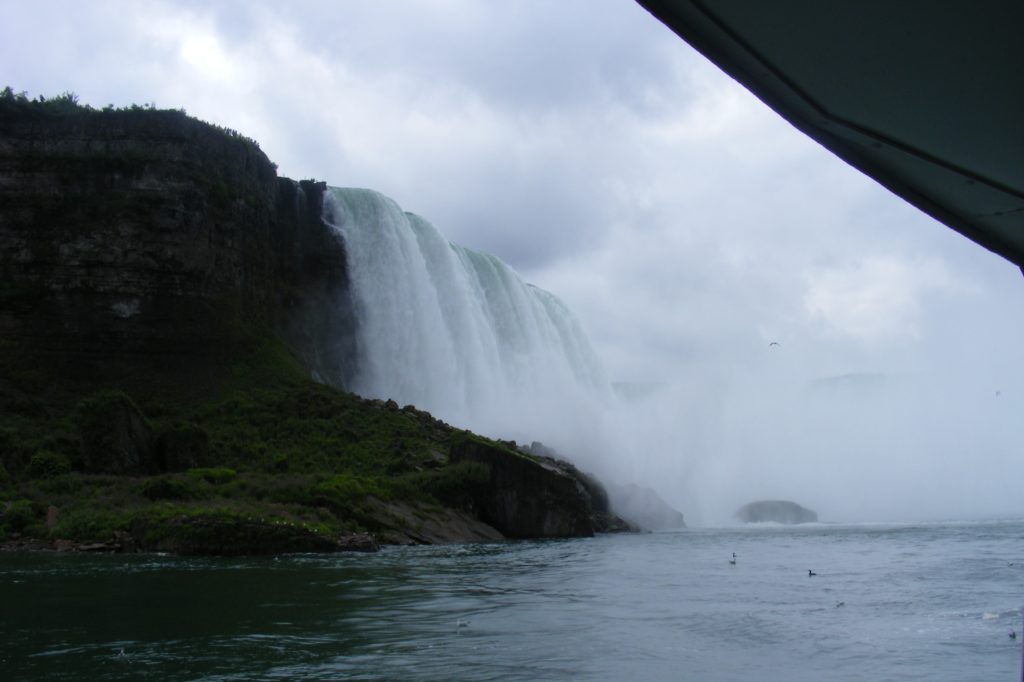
(134, 237)
(527, 496)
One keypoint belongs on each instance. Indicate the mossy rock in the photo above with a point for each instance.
(227, 534)
(17, 516)
(116, 437)
(460, 485)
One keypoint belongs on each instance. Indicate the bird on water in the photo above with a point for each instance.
(810, 573)
(733, 559)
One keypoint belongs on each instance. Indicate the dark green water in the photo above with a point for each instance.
(928, 602)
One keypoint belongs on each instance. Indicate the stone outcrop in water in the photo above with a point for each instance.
(775, 511)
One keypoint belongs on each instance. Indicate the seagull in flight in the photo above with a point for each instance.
(773, 343)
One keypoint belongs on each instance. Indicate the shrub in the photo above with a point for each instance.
(456, 485)
(214, 475)
(280, 463)
(46, 464)
(66, 484)
(89, 524)
(169, 488)
(339, 491)
(18, 516)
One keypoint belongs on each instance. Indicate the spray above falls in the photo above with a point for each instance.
(458, 333)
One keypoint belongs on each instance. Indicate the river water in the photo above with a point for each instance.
(889, 602)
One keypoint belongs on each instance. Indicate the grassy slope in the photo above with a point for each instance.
(282, 449)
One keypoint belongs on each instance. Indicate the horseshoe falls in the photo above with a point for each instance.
(456, 332)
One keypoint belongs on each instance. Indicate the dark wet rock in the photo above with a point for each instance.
(182, 447)
(361, 542)
(527, 497)
(124, 542)
(96, 547)
(411, 523)
(643, 507)
(775, 511)
(216, 536)
(19, 544)
(604, 518)
(115, 436)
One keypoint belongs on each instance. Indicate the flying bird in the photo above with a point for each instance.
(773, 343)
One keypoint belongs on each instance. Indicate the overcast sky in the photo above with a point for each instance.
(583, 143)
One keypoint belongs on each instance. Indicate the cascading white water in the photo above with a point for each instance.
(458, 333)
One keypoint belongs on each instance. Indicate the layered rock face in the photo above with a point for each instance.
(775, 511)
(132, 237)
(528, 497)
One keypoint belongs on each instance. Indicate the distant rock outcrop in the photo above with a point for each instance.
(643, 507)
(775, 511)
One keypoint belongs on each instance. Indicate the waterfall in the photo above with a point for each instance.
(459, 333)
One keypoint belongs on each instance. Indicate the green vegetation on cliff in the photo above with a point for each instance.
(271, 447)
(14, 104)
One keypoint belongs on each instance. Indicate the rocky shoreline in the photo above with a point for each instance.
(125, 543)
